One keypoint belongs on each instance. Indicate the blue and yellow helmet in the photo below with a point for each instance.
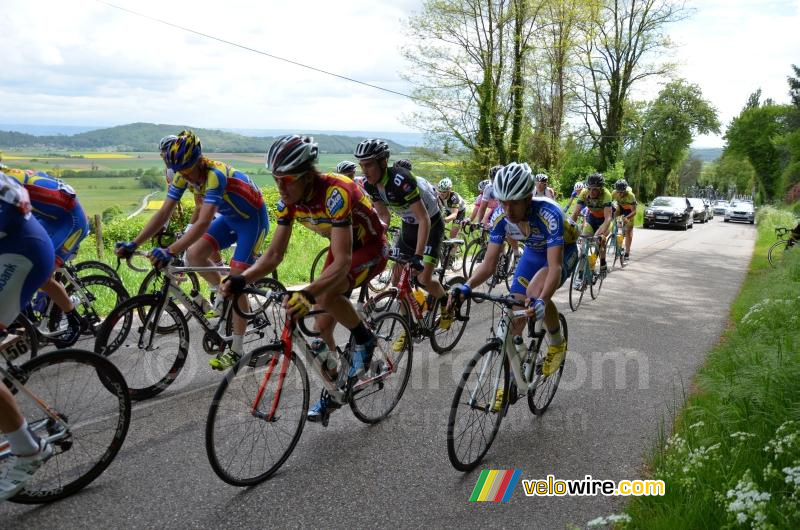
(183, 152)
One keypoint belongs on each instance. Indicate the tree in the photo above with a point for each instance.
(678, 113)
(689, 173)
(621, 40)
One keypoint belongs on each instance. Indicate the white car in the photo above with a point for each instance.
(740, 211)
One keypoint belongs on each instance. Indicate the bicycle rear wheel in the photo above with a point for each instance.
(90, 395)
(319, 262)
(125, 337)
(475, 415)
(244, 446)
(597, 282)
(544, 387)
(577, 284)
(94, 267)
(469, 256)
(153, 283)
(391, 366)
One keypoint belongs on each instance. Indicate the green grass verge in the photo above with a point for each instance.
(733, 458)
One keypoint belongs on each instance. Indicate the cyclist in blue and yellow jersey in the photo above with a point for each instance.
(598, 200)
(549, 256)
(26, 254)
(453, 203)
(626, 206)
(56, 206)
(243, 220)
(335, 207)
(414, 200)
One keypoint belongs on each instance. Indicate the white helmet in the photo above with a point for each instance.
(579, 186)
(513, 182)
(445, 185)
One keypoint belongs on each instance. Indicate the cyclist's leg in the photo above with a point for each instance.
(66, 234)
(431, 257)
(220, 235)
(528, 264)
(628, 236)
(249, 236)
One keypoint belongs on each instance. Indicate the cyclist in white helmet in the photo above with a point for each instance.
(456, 208)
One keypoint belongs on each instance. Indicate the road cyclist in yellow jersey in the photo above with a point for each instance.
(243, 221)
(626, 208)
(597, 199)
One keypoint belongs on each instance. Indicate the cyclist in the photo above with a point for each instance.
(346, 168)
(455, 205)
(575, 191)
(542, 189)
(414, 200)
(598, 200)
(243, 220)
(626, 206)
(56, 206)
(25, 255)
(335, 207)
(486, 203)
(548, 258)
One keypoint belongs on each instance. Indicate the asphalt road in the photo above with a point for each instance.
(633, 353)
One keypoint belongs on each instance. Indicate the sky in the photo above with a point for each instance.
(81, 62)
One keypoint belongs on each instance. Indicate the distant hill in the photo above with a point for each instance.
(706, 154)
(145, 137)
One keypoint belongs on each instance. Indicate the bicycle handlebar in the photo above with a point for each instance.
(273, 297)
(780, 231)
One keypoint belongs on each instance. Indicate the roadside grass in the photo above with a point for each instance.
(733, 458)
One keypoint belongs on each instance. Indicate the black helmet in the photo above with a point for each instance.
(595, 180)
(621, 185)
(372, 149)
(403, 163)
(494, 170)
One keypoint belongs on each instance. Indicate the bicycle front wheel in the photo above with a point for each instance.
(90, 398)
(577, 284)
(389, 370)
(544, 387)
(249, 435)
(444, 339)
(776, 251)
(478, 407)
(188, 282)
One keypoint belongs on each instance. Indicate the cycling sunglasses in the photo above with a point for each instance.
(288, 179)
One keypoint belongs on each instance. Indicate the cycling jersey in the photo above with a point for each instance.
(57, 208)
(25, 248)
(626, 201)
(399, 189)
(335, 201)
(548, 227)
(231, 191)
(243, 217)
(454, 200)
(488, 197)
(596, 206)
(548, 192)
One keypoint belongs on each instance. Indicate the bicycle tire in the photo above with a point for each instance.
(385, 392)
(267, 316)
(144, 383)
(544, 388)
(597, 283)
(473, 248)
(380, 282)
(153, 283)
(244, 380)
(483, 404)
(104, 389)
(386, 302)
(575, 299)
(442, 341)
(319, 262)
(491, 282)
(23, 327)
(100, 305)
(95, 265)
(775, 253)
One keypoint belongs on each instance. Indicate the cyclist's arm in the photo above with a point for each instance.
(156, 222)
(383, 212)
(474, 213)
(487, 266)
(577, 211)
(607, 221)
(633, 212)
(199, 227)
(452, 216)
(198, 204)
(342, 251)
(555, 257)
(423, 226)
(273, 256)
(481, 211)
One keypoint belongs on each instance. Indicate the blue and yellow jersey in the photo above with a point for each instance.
(626, 200)
(547, 224)
(51, 198)
(231, 191)
(335, 200)
(596, 206)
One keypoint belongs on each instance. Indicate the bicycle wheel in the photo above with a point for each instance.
(318, 263)
(544, 387)
(188, 282)
(776, 251)
(386, 302)
(444, 340)
(244, 446)
(24, 328)
(90, 395)
(148, 367)
(490, 283)
(391, 368)
(94, 267)
(469, 255)
(382, 281)
(268, 318)
(597, 282)
(577, 285)
(103, 294)
(474, 417)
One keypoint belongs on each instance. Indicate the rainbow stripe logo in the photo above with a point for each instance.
(495, 485)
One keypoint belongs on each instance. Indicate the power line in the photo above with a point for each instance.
(261, 52)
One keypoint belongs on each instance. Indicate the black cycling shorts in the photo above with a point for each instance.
(406, 242)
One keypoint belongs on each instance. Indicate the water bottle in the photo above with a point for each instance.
(321, 352)
(420, 297)
(519, 346)
(619, 240)
(592, 259)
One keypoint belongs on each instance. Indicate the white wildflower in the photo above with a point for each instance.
(697, 425)
(784, 440)
(697, 457)
(742, 436)
(747, 503)
(598, 522)
(792, 476)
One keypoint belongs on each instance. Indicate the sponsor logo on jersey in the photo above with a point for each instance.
(335, 201)
(8, 272)
(549, 219)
